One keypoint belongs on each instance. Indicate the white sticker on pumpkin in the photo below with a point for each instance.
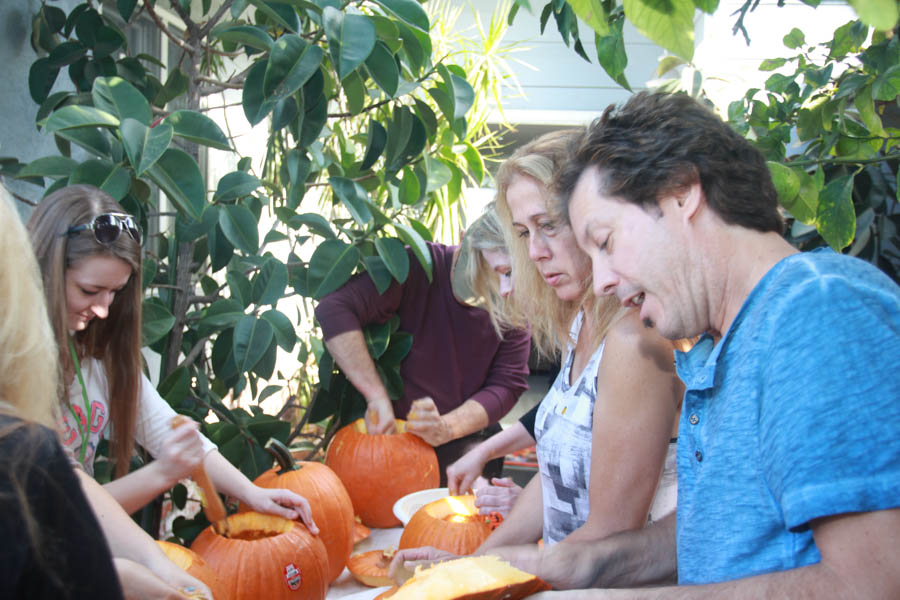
(292, 576)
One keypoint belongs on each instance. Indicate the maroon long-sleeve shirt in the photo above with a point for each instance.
(456, 354)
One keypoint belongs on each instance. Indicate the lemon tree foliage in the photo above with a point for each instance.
(827, 118)
(368, 148)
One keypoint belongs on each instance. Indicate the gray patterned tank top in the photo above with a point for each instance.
(563, 433)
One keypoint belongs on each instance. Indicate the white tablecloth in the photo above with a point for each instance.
(346, 586)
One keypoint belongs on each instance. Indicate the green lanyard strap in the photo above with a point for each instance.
(85, 432)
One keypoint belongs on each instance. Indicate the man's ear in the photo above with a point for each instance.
(690, 200)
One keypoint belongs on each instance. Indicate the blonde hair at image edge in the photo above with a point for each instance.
(483, 234)
(28, 361)
(533, 302)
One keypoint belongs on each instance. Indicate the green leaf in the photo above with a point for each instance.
(66, 53)
(314, 222)
(76, 116)
(355, 90)
(199, 128)
(770, 64)
(178, 175)
(375, 141)
(613, 58)
(282, 327)
(118, 97)
(409, 11)
(669, 23)
(794, 39)
(806, 204)
(220, 249)
(412, 239)
(383, 68)
(707, 6)
(592, 13)
(93, 140)
(887, 85)
(866, 108)
(112, 178)
(786, 183)
(394, 255)
(246, 35)
(836, 219)
(126, 7)
(410, 190)
(48, 166)
(474, 161)
(176, 85)
(223, 355)
(379, 273)
(269, 282)
(156, 321)
(252, 337)
(291, 63)
(399, 347)
(377, 336)
(438, 174)
(220, 314)
(144, 145)
(236, 184)
(330, 267)
(240, 227)
(255, 103)
(880, 14)
(239, 286)
(41, 77)
(353, 197)
(351, 38)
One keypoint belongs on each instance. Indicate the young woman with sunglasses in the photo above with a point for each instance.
(89, 251)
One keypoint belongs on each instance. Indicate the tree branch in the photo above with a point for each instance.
(148, 6)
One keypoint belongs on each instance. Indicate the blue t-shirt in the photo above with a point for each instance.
(793, 415)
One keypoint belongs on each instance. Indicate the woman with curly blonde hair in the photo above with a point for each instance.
(604, 429)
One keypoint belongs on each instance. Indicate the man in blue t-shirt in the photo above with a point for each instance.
(789, 441)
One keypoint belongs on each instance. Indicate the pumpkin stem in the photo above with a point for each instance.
(282, 456)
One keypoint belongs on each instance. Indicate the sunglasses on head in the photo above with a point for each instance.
(108, 227)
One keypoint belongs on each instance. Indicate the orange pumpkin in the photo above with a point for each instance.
(191, 562)
(266, 557)
(378, 470)
(331, 507)
(371, 568)
(451, 524)
(469, 578)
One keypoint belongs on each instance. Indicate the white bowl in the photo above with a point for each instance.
(406, 507)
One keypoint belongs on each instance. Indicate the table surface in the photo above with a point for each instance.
(346, 586)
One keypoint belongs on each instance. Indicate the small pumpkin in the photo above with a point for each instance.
(331, 507)
(469, 578)
(378, 470)
(451, 524)
(194, 565)
(266, 557)
(371, 568)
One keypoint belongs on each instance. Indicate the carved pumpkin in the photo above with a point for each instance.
(266, 557)
(331, 507)
(360, 531)
(192, 563)
(378, 470)
(471, 578)
(451, 524)
(371, 568)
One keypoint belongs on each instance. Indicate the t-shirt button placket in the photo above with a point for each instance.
(699, 456)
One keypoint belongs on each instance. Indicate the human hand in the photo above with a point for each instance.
(425, 421)
(462, 474)
(281, 502)
(380, 417)
(140, 583)
(182, 450)
(406, 561)
(497, 496)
